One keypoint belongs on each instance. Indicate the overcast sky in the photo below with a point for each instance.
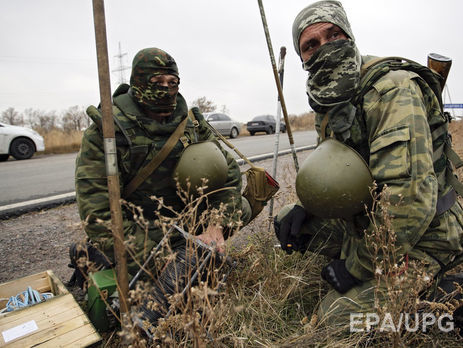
(48, 57)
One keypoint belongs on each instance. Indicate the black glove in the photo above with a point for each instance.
(88, 251)
(338, 276)
(287, 230)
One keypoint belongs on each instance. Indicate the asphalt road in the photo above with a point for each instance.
(45, 176)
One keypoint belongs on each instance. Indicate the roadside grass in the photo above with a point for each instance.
(58, 141)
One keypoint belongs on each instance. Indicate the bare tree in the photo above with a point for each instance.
(39, 119)
(75, 118)
(11, 116)
(204, 105)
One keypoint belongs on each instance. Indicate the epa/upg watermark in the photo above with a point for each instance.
(361, 322)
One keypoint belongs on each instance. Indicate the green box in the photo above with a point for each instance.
(102, 285)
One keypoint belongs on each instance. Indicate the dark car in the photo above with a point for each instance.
(264, 123)
(223, 124)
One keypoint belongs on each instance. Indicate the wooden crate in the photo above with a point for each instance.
(57, 322)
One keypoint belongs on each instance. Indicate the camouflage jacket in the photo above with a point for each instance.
(391, 130)
(147, 138)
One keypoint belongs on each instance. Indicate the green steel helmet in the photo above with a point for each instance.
(334, 181)
(198, 161)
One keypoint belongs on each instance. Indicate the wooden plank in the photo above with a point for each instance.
(48, 319)
(60, 320)
(84, 341)
(48, 308)
(42, 282)
(37, 281)
(75, 338)
(53, 332)
(56, 321)
(56, 285)
(71, 337)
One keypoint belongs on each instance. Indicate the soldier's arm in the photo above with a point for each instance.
(401, 158)
(92, 191)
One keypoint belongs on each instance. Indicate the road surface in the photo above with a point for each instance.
(53, 175)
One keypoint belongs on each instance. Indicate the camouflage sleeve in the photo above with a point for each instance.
(401, 158)
(232, 195)
(92, 191)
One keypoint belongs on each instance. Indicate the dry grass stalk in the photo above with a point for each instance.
(58, 141)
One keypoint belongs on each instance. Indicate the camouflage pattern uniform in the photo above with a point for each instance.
(390, 128)
(139, 139)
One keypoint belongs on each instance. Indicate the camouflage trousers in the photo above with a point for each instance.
(333, 238)
(344, 310)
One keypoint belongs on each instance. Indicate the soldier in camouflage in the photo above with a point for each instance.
(146, 113)
(390, 128)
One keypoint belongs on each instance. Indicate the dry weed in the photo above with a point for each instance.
(59, 141)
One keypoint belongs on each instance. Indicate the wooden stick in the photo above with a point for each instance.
(111, 154)
(277, 81)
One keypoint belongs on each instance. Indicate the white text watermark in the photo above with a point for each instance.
(360, 322)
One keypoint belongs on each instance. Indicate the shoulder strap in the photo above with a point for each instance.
(146, 171)
(372, 70)
(365, 67)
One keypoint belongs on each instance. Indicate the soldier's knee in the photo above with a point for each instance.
(337, 309)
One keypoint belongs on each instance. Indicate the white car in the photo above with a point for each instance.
(19, 142)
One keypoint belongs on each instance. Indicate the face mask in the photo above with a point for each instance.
(155, 98)
(151, 96)
(334, 73)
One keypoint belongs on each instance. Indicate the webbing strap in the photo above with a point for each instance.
(454, 182)
(453, 157)
(446, 202)
(457, 163)
(375, 61)
(438, 132)
(437, 153)
(146, 171)
(323, 126)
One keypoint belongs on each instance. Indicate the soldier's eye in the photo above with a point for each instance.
(309, 45)
(173, 84)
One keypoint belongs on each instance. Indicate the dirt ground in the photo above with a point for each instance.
(39, 241)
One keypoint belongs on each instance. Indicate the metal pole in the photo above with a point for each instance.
(277, 81)
(281, 72)
(110, 153)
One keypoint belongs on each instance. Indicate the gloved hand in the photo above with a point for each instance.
(337, 275)
(91, 254)
(287, 230)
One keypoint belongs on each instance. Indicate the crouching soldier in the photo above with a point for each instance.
(375, 122)
(152, 118)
